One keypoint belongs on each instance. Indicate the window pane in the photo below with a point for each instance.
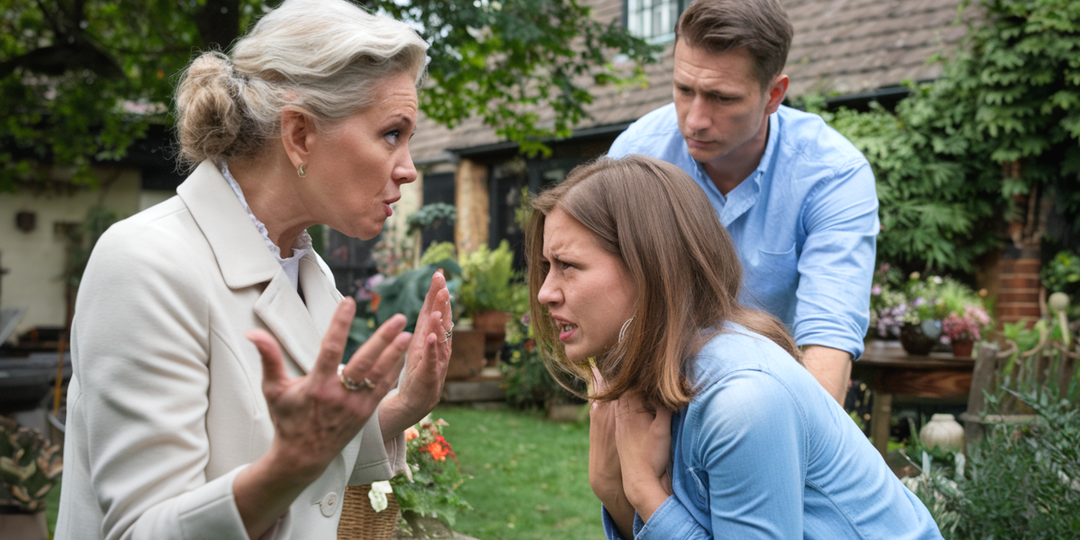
(650, 18)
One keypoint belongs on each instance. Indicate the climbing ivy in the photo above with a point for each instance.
(1002, 122)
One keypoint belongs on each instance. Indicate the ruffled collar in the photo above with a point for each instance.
(301, 246)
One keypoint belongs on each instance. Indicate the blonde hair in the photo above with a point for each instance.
(323, 57)
(657, 221)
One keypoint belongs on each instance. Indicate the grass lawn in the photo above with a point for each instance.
(530, 477)
(52, 507)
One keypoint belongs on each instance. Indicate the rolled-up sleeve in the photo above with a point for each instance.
(836, 265)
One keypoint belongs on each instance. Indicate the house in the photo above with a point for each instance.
(856, 50)
(36, 223)
(853, 50)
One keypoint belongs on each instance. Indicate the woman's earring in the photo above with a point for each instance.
(300, 171)
(625, 325)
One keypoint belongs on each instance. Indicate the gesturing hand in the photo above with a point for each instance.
(315, 416)
(425, 364)
(644, 442)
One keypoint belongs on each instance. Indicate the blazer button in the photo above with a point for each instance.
(328, 504)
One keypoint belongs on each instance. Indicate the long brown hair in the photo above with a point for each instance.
(657, 221)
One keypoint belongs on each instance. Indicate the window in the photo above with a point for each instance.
(654, 20)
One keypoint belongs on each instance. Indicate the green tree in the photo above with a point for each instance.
(996, 137)
(80, 80)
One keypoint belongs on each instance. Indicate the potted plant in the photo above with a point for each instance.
(404, 293)
(486, 291)
(29, 468)
(963, 330)
(922, 314)
(427, 493)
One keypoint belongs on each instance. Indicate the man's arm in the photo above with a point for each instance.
(836, 268)
(831, 368)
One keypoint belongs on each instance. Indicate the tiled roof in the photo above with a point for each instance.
(849, 46)
(840, 46)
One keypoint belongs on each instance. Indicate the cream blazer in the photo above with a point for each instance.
(166, 406)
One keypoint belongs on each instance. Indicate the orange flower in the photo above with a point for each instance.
(375, 302)
(411, 434)
(437, 451)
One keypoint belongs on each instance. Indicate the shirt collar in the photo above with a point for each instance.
(770, 149)
(741, 199)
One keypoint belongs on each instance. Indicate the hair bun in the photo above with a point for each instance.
(210, 115)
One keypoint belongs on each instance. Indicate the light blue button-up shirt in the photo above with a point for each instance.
(764, 452)
(804, 223)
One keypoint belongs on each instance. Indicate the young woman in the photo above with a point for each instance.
(704, 423)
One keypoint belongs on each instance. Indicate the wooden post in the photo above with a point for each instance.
(981, 380)
(880, 420)
(471, 199)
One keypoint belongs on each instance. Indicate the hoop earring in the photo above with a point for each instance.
(300, 171)
(625, 325)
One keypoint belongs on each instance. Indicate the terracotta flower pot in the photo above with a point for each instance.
(962, 349)
(467, 355)
(492, 322)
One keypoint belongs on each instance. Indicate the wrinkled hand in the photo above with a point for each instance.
(644, 442)
(425, 365)
(314, 416)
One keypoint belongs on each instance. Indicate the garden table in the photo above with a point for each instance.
(888, 371)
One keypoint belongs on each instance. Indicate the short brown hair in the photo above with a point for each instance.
(659, 223)
(761, 27)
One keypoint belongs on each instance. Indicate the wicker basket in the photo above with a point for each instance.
(359, 521)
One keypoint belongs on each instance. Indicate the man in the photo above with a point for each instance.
(797, 197)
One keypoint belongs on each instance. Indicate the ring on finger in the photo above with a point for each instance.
(447, 335)
(350, 384)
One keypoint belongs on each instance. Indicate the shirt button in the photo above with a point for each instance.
(328, 504)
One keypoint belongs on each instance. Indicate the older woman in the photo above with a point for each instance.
(705, 424)
(186, 419)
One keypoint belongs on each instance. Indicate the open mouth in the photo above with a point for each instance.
(566, 330)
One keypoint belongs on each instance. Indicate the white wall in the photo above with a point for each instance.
(36, 259)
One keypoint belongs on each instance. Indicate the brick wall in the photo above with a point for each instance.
(1018, 290)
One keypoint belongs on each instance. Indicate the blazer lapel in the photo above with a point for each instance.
(245, 261)
(280, 308)
(320, 295)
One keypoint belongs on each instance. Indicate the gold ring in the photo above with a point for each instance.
(350, 384)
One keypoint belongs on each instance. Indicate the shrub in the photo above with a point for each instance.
(1020, 481)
